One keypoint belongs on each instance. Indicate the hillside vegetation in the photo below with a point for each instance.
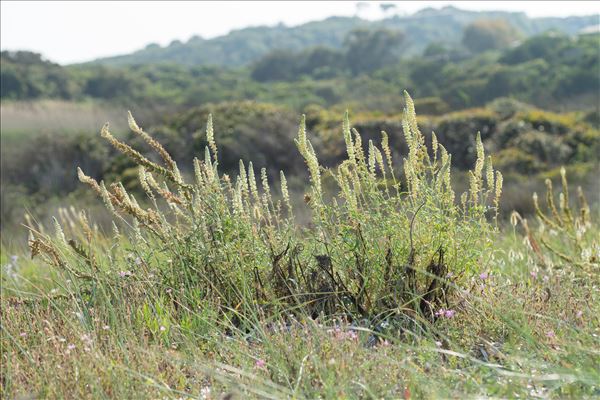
(244, 46)
(550, 71)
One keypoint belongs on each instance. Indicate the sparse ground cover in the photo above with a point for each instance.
(397, 288)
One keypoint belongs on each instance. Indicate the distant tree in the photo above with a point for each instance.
(483, 35)
(11, 85)
(387, 8)
(26, 75)
(283, 65)
(152, 46)
(546, 46)
(108, 83)
(278, 65)
(321, 59)
(370, 50)
(196, 39)
(435, 50)
(24, 57)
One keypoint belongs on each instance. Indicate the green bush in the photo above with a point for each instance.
(378, 248)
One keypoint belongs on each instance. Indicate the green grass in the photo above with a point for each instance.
(209, 288)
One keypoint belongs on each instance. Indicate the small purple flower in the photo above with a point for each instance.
(579, 314)
(484, 276)
(445, 313)
(449, 313)
(260, 363)
(550, 334)
(70, 347)
(533, 274)
(123, 274)
(352, 336)
(23, 334)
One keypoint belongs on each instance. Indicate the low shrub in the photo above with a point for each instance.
(378, 247)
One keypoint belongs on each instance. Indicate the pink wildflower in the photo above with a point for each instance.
(445, 313)
(550, 334)
(352, 336)
(484, 276)
(260, 363)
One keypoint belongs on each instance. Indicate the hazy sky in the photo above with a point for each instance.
(68, 32)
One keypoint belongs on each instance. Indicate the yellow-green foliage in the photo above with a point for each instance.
(379, 245)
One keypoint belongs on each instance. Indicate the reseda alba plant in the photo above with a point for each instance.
(565, 236)
(384, 245)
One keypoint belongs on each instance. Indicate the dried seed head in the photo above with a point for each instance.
(385, 145)
(107, 199)
(58, 230)
(489, 174)
(371, 159)
(358, 149)
(252, 181)
(498, 189)
(515, 217)
(473, 187)
(480, 158)
(284, 191)
(348, 139)
(301, 139)
(434, 145)
(210, 137)
(156, 146)
(379, 159)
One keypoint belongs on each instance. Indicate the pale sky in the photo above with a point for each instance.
(69, 32)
